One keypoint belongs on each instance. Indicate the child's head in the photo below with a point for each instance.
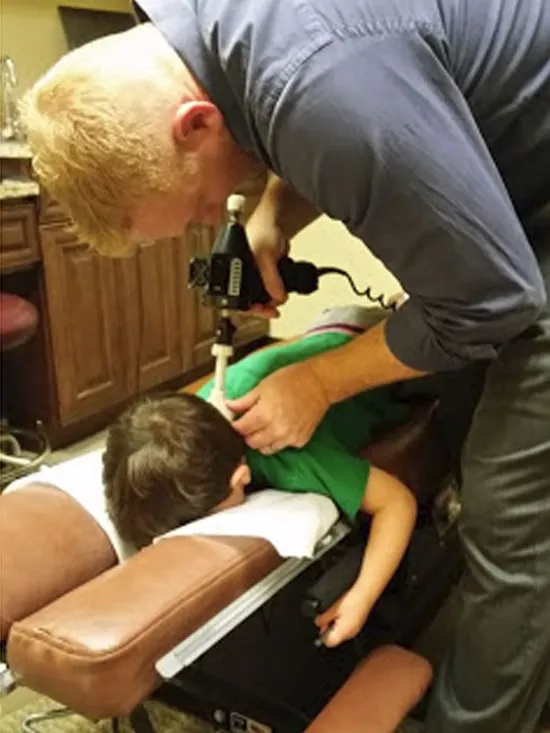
(170, 459)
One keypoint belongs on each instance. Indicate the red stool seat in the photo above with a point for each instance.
(18, 321)
(378, 695)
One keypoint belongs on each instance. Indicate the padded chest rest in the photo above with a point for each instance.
(95, 649)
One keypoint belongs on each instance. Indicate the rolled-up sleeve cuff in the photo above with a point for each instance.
(419, 345)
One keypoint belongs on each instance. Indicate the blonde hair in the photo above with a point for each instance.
(98, 124)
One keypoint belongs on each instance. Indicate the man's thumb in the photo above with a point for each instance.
(244, 403)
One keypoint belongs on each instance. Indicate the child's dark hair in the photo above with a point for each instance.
(168, 460)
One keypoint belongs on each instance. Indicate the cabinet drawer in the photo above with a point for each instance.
(19, 236)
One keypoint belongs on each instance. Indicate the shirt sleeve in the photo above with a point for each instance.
(323, 466)
(377, 135)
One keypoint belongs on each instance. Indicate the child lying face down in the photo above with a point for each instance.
(173, 458)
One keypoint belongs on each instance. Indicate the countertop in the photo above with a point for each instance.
(15, 150)
(12, 188)
(15, 182)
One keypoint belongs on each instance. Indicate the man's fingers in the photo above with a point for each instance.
(264, 310)
(249, 424)
(263, 442)
(244, 403)
(253, 426)
(282, 411)
(269, 271)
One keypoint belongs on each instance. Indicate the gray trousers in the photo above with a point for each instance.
(496, 675)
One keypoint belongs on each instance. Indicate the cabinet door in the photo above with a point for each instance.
(88, 345)
(157, 282)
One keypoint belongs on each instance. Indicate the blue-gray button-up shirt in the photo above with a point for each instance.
(422, 125)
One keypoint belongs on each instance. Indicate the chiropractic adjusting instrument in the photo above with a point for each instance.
(230, 281)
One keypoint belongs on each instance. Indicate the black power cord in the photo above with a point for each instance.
(368, 292)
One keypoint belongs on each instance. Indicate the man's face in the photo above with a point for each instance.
(199, 200)
(215, 168)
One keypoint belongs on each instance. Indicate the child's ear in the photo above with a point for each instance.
(241, 477)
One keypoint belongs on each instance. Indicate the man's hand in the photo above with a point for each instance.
(282, 411)
(344, 619)
(279, 216)
(268, 245)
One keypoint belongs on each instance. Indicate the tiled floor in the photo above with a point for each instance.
(93, 442)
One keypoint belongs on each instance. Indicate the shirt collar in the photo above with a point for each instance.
(177, 21)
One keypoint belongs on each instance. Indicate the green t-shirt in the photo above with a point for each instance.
(327, 464)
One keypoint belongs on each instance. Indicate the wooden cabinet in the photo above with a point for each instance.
(116, 325)
(151, 314)
(19, 240)
(84, 302)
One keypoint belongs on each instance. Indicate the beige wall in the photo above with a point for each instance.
(326, 242)
(31, 32)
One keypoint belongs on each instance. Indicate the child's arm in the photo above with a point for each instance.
(393, 508)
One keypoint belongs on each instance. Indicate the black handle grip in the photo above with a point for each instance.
(298, 277)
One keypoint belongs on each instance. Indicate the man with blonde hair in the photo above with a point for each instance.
(424, 126)
(123, 133)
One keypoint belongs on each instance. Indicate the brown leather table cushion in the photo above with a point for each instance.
(95, 648)
(49, 545)
(412, 451)
(383, 688)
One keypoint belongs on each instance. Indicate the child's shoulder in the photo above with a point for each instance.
(247, 373)
(239, 379)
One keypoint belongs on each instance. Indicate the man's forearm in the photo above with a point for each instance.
(290, 212)
(363, 363)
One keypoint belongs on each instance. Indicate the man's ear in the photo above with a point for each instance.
(195, 121)
(241, 477)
